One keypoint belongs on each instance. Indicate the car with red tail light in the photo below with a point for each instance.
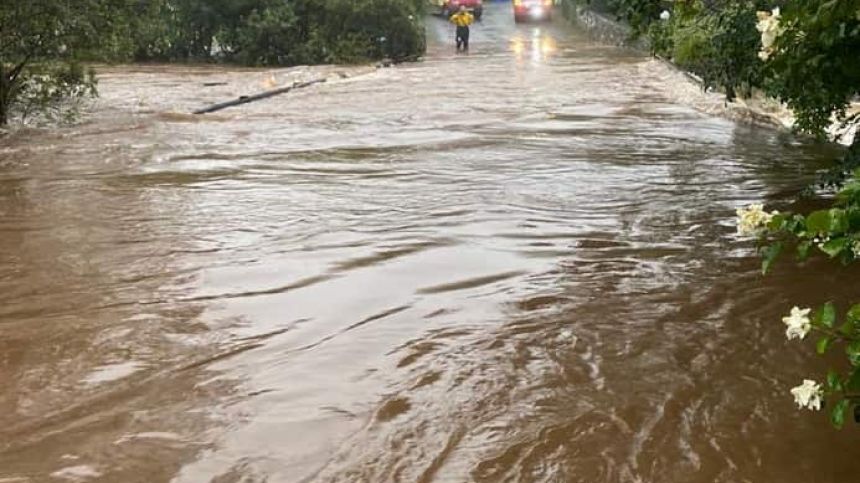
(531, 10)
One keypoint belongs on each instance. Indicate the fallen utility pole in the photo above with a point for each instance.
(257, 97)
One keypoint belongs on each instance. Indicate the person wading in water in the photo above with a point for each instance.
(462, 20)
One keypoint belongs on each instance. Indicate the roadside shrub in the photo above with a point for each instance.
(661, 37)
(719, 45)
(639, 14)
(691, 43)
(370, 29)
(39, 70)
(277, 32)
(815, 68)
(52, 92)
(266, 36)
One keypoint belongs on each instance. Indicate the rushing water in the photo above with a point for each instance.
(515, 265)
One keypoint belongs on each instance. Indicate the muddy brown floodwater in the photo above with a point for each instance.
(517, 265)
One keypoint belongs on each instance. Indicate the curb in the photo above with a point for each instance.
(608, 30)
(384, 63)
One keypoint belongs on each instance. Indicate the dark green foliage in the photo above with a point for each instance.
(638, 13)
(40, 41)
(835, 176)
(733, 65)
(817, 68)
(51, 90)
(719, 45)
(275, 32)
(265, 36)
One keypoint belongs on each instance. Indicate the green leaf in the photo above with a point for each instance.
(853, 351)
(834, 247)
(852, 319)
(818, 221)
(837, 415)
(852, 384)
(853, 313)
(848, 192)
(777, 222)
(769, 255)
(825, 316)
(834, 382)
(795, 224)
(822, 345)
(853, 216)
(838, 220)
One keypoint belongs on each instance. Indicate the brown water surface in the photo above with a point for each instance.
(516, 265)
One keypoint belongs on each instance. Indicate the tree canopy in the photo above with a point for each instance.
(38, 41)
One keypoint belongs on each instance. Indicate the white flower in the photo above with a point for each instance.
(768, 25)
(797, 323)
(665, 15)
(753, 219)
(855, 247)
(808, 395)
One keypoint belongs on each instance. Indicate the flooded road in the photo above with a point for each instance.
(516, 265)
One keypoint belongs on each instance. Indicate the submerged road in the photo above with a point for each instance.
(513, 265)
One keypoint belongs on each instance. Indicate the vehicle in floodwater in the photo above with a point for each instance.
(446, 8)
(532, 10)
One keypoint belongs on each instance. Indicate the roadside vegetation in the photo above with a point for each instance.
(805, 54)
(43, 43)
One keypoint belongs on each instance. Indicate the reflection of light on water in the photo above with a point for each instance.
(269, 82)
(548, 45)
(539, 47)
(518, 46)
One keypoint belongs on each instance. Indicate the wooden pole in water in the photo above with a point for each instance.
(257, 97)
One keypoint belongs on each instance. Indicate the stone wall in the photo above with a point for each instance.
(601, 26)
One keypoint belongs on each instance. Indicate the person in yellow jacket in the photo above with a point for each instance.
(462, 20)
